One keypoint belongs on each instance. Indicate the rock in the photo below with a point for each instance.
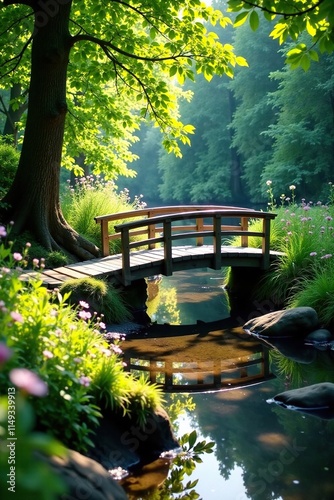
(316, 399)
(299, 321)
(320, 335)
(121, 441)
(292, 348)
(85, 478)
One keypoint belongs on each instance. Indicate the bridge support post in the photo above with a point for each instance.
(168, 257)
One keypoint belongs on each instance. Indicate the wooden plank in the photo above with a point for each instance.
(71, 273)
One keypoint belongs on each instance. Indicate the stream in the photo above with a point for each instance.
(261, 451)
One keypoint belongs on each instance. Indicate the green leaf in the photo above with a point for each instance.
(240, 19)
(254, 20)
(305, 61)
(192, 439)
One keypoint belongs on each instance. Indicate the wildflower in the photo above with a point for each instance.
(102, 325)
(17, 256)
(3, 232)
(292, 187)
(106, 352)
(313, 254)
(85, 381)
(35, 262)
(28, 245)
(5, 353)
(306, 207)
(28, 382)
(84, 304)
(77, 360)
(269, 183)
(47, 354)
(328, 217)
(326, 256)
(16, 317)
(116, 349)
(85, 315)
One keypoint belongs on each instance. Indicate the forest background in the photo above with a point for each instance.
(270, 122)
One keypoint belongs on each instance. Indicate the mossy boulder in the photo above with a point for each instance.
(297, 322)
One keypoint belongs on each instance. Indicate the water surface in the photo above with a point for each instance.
(262, 451)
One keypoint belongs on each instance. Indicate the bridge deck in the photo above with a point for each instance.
(146, 263)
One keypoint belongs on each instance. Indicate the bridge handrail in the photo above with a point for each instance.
(148, 213)
(216, 230)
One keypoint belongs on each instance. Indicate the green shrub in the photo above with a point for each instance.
(102, 298)
(91, 197)
(9, 158)
(318, 292)
(37, 251)
(63, 346)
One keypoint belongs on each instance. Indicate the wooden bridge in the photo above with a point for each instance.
(152, 241)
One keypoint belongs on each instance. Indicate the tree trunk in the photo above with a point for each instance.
(13, 115)
(33, 198)
(236, 185)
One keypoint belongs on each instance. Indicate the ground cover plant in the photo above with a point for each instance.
(55, 355)
(304, 275)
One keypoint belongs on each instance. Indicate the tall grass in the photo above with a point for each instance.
(304, 275)
(92, 196)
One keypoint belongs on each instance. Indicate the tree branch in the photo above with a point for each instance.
(284, 14)
(18, 57)
(105, 46)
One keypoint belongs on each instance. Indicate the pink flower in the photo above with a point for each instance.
(116, 349)
(47, 354)
(102, 325)
(28, 381)
(85, 315)
(313, 254)
(17, 256)
(84, 304)
(85, 381)
(5, 353)
(16, 317)
(327, 256)
(3, 232)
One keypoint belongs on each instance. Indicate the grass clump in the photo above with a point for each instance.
(304, 275)
(92, 196)
(318, 292)
(101, 297)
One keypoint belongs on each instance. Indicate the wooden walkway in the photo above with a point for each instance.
(145, 263)
(162, 232)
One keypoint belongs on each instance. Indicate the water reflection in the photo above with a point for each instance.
(261, 451)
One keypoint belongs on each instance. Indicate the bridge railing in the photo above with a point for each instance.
(110, 233)
(171, 227)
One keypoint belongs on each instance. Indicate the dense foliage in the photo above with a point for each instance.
(269, 122)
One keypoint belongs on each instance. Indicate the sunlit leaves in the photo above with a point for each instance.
(292, 20)
(301, 56)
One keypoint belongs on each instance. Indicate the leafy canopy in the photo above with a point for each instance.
(291, 19)
(127, 61)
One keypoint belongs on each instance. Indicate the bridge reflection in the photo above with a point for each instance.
(205, 361)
